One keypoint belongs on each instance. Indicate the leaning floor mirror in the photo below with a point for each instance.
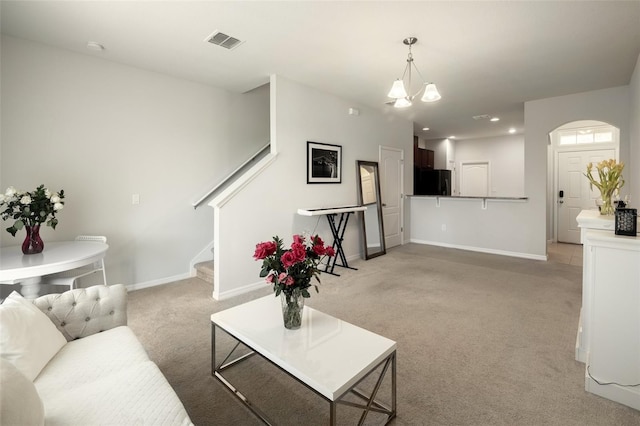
(368, 179)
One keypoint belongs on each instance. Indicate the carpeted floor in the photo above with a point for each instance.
(482, 340)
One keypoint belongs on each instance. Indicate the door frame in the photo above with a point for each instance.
(556, 148)
(401, 184)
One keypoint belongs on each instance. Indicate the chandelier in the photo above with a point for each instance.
(398, 90)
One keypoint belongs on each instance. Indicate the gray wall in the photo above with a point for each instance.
(543, 116)
(104, 131)
(520, 228)
(633, 175)
(505, 155)
(439, 148)
(300, 114)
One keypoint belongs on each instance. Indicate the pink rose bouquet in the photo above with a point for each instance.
(292, 268)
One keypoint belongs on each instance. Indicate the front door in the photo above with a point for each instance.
(391, 184)
(573, 193)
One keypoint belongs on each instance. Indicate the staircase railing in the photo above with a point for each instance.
(232, 176)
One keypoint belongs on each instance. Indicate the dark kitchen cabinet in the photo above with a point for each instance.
(423, 158)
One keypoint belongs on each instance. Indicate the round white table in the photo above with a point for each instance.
(28, 269)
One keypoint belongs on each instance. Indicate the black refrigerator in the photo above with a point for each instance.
(431, 182)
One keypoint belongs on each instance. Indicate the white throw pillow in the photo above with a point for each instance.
(28, 338)
(20, 403)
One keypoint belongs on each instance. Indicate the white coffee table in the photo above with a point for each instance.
(329, 356)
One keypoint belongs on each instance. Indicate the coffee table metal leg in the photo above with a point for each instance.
(371, 403)
(393, 386)
(213, 349)
(216, 371)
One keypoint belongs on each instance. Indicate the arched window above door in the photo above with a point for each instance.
(584, 133)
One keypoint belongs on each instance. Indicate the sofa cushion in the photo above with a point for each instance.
(81, 312)
(19, 400)
(139, 395)
(90, 358)
(28, 339)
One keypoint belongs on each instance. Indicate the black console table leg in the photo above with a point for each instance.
(338, 234)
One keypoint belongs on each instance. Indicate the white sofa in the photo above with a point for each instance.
(70, 359)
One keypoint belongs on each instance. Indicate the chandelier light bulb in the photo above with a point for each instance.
(397, 90)
(402, 103)
(431, 93)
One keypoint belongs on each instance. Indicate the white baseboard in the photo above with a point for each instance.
(624, 395)
(483, 250)
(201, 257)
(261, 284)
(238, 291)
(159, 281)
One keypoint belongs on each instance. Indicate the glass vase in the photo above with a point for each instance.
(292, 306)
(606, 208)
(32, 244)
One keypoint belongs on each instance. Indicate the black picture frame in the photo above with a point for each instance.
(324, 163)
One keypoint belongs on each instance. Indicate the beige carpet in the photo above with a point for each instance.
(482, 340)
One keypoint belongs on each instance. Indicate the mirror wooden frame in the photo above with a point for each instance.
(368, 254)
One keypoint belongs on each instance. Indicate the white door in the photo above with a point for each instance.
(391, 184)
(574, 188)
(474, 179)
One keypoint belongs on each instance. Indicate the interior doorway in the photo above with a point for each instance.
(572, 147)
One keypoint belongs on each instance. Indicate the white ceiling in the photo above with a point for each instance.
(486, 57)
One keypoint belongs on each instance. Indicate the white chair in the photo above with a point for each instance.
(71, 277)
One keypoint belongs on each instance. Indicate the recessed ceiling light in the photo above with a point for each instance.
(451, 137)
(92, 45)
(425, 129)
(512, 130)
(495, 119)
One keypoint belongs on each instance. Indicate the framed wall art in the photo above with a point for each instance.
(324, 163)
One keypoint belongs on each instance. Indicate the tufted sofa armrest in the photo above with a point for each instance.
(85, 311)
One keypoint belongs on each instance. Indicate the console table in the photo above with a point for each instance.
(589, 220)
(27, 270)
(337, 218)
(608, 340)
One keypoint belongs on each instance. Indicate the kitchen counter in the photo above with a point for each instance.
(484, 200)
(465, 197)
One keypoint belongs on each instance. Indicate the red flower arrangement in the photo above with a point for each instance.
(292, 269)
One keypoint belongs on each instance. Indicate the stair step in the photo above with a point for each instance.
(204, 271)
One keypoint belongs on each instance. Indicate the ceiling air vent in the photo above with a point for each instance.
(481, 117)
(223, 40)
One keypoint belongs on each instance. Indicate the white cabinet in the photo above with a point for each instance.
(588, 219)
(609, 333)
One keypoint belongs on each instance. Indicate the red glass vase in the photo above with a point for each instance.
(32, 244)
